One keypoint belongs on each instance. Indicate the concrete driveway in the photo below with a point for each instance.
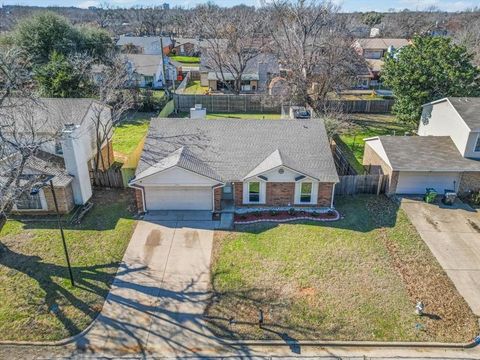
(453, 236)
(158, 297)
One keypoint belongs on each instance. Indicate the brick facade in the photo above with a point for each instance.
(139, 200)
(282, 194)
(469, 181)
(217, 198)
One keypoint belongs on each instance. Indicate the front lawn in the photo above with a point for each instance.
(368, 125)
(355, 279)
(185, 59)
(37, 301)
(128, 134)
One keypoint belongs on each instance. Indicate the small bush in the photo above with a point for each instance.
(291, 211)
(243, 216)
(273, 212)
(331, 213)
(475, 197)
(315, 214)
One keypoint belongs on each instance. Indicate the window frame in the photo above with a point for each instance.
(250, 201)
(42, 200)
(302, 194)
(476, 147)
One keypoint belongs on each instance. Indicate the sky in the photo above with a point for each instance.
(347, 5)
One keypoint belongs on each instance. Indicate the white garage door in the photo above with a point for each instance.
(417, 182)
(178, 198)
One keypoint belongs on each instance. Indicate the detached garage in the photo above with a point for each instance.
(415, 163)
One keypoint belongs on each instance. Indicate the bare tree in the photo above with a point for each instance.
(469, 36)
(114, 99)
(315, 49)
(233, 41)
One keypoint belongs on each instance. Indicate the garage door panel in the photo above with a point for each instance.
(178, 198)
(416, 183)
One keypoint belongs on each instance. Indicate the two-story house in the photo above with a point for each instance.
(445, 155)
(69, 153)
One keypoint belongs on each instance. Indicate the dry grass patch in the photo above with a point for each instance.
(355, 279)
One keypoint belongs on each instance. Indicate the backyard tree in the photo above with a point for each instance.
(372, 18)
(233, 40)
(430, 69)
(313, 44)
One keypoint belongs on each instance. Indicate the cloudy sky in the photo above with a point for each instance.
(347, 5)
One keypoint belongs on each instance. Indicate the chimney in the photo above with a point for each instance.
(75, 157)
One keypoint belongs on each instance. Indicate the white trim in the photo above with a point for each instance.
(276, 167)
(313, 194)
(261, 194)
(135, 180)
(333, 194)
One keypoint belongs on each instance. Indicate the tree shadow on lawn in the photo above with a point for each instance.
(44, 273)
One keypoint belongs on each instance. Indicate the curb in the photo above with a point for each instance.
(337, 217)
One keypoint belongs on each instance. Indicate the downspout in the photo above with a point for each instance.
(213, 195)
(333, 194)
(142, 189)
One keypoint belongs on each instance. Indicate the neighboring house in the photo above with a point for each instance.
(69, 158)
(256, 77)
(373, 50)
(146, 71)
(445, 155)
(147, 45)
(200, 164)
(186, 47)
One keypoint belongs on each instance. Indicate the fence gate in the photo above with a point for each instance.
(111, 177)
(361, 184)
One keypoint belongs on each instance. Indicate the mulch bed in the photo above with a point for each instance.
(284, 216)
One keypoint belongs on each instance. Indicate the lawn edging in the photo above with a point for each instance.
(309, 218)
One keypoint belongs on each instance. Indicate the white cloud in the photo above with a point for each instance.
(86, 4)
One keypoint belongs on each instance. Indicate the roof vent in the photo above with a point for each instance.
(281, 171)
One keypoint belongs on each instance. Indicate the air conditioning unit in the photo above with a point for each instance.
(299, 112)
(198, 112)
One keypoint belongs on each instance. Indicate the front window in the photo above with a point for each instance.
(477, 144)
(306, 192)
(28, 201)
(254, 192)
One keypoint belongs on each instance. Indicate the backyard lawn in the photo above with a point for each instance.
(186, 59)
(355, 279)
(128, 134)
(195, 88)
(37, 300)
(365, 126)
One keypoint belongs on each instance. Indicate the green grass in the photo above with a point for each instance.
(194, 87)
(355, 279)
(365, 126)
(37, 300)
(128, 134)
(185, 59)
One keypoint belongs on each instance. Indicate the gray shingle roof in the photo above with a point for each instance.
(182, 158)
(382, 43)
(233, 148)
(469, 110)
(49, 114)
(145, 64)
(426, 153)
(143, 41)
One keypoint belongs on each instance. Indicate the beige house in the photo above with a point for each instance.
(445, 155)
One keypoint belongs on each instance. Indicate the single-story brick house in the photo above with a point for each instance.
(445, 155)
(200, 164)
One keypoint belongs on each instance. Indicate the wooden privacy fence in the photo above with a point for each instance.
(266, 103)
(108, 178)
(341, 161)
(361, 184)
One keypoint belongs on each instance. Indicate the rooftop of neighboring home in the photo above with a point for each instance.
(266, 62)
(143, 41)
(467, 107)
(423, 153)
(145, 64)
(48, 114)
(233, 150)
(381, 43)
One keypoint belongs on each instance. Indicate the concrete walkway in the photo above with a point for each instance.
(453, 236)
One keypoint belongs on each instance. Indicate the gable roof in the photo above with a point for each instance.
(469, 109)
(145, 64)
(143, 41)
(48, 114)
(425, 153)
(233, 148)
(184, 159)
(382, 43)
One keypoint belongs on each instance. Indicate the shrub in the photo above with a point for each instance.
(243, 216)
(315, 214)
(331, 213)
(475, 197)
(273, 212)
(291, 211)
